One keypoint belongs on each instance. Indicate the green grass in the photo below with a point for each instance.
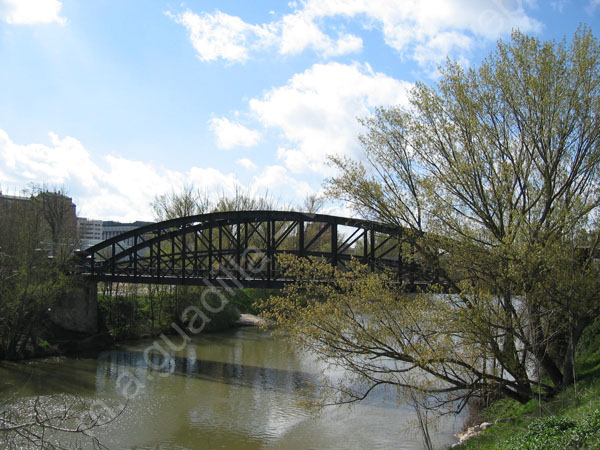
(571, 420)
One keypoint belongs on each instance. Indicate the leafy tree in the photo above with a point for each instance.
(36, 239)
(313, 204)
(493, 172)
(241, 201)
(187, 202)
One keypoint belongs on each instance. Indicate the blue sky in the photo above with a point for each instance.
(118, 101)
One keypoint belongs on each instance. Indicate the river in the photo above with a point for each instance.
(241, 389)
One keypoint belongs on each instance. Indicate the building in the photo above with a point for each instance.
(50, 215)
(55, 211)
(89, 231)
(111, 229)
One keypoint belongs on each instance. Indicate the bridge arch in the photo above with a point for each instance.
(239, 248)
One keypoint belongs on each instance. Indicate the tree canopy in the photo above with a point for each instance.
(493, 172)
(37, 237)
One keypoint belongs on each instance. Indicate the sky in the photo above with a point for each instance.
(118, 101)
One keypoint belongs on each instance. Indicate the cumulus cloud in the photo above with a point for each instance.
(220, 35)
(247, 164)
(231, 134)
(31, 12)
(434, 51)
(299, 31)
(112, 188)
(420, 29)
(65, 160)
(212, 180)
(118, 188)
(277, 180)
(317, 110)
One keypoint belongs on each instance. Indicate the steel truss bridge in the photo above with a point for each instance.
(239, 249)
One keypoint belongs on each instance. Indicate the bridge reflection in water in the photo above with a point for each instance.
(240, 248)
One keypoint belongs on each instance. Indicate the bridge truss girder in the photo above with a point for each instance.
(239, 249)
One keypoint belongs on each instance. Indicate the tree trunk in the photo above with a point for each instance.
(568, 367)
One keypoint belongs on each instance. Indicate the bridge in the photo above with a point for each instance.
(240, 248)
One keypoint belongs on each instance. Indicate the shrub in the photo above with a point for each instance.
(559, 432)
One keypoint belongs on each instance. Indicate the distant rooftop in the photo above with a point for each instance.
(113, 223)
(14, 197)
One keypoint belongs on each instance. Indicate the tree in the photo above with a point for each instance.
(55, 422)
(36, 239)
(187, 202)
(242, 201)
(493, 173)
(313, 203)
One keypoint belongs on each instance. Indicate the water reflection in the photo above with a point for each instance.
(117, 365)
(237, 390)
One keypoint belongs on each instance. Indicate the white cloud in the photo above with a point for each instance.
(212, 180)
(592, 5)
(30, 12)
(299, 31)
(407, 26)
(116, 188)
(424, 19)
(223, 36)
(65, 160)
(317, 111)
(220, 35)
(432, 25)
(276, 181)
(231, 134)
(247, 164)
(559, 5)
(436, 49)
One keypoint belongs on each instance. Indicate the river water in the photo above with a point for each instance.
(242, 389)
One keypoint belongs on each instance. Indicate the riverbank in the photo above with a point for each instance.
(68, 343)
(251, 320)
(130, 313)
(571, 420)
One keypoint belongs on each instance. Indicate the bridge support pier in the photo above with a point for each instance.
(78, 309)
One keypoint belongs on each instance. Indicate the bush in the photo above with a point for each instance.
(559, 432)
(131, 315)
(588, 349)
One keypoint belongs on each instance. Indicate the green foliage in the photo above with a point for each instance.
(131, 311)
(190, 201)
(572, 418)
(493, 173)
(559, 432)
(247, 300)
(359, 321)
(588, 349)
(501, 408)
(37, 235)
(223, 319)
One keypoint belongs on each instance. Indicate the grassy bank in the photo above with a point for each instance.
(130, 312)
(571, 420)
